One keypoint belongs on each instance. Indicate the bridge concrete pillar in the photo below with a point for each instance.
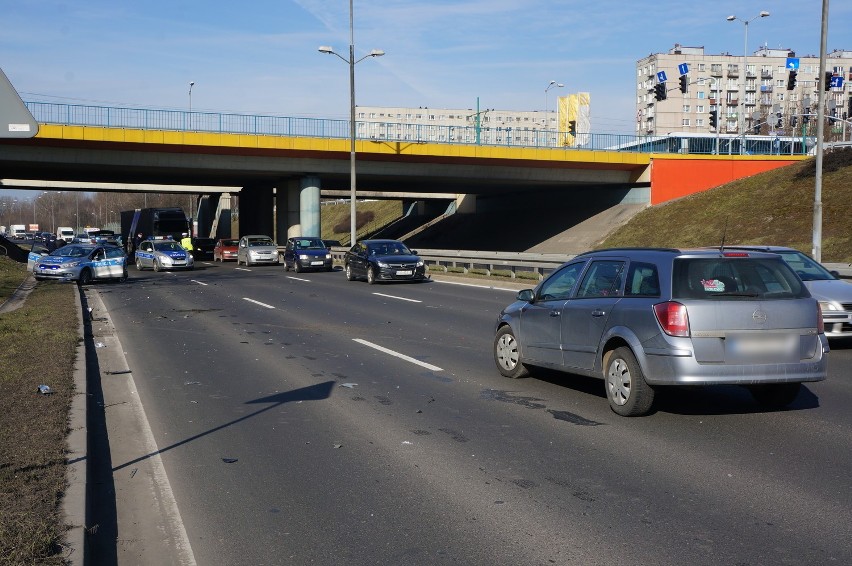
(205, 209)
(257, 210)
(465, 204)
(309, 206)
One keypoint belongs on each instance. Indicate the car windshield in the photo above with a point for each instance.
(727, 277)
(260, 242)
(167, 247)
(308, 244)
(806, 268)
(71, 251)
(388, 248)
(229, 243)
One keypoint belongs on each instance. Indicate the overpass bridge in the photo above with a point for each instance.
(281, 166)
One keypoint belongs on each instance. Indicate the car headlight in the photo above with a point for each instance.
(382, 264)
(327, 256)
(420, 263)
(829, 306)
(165, 260)
(304, 256)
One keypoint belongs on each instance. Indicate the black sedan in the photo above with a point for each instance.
(383, 260)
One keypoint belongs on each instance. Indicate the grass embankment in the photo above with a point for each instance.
(38, 346)
(772, 208)
(371, 215)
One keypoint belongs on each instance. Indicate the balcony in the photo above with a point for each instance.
(750, 87)
(765, 88)
(766, 74)
(733, 101)
(716, 71)
(733, 73)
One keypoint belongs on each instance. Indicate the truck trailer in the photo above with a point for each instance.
(152, 222)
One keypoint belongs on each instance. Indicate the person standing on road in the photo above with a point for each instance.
(186, 242)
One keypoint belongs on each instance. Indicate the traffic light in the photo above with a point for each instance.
(660, 91)
(828, 75)
(806, 116)
(684, 82)
(850, 107)
(572, 127)
(756, 129)
(791, 80)
(793, 120)
(714, 115)
(779, 123)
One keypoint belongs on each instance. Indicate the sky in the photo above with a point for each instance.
(261, 56)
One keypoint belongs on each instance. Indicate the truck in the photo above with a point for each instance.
(151, 223)
(17, 231)
(65, 233)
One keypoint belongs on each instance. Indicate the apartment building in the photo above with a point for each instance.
(758, 98)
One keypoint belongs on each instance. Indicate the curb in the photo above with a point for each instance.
(74, 501)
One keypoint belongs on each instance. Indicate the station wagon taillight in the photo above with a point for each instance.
(673, 318)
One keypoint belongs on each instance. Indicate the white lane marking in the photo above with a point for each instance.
(480, 286)
(199, 282)
(258, 303)
(298, 279)
(398, 298)
(397, 354)
(241, 269)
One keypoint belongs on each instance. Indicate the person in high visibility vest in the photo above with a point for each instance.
(186, 242)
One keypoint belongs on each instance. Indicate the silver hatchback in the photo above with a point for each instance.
(642, 318)
(257, 249)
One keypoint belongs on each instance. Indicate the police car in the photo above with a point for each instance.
(80, 262)
(162, 254)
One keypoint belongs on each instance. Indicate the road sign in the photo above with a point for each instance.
(792, 63)
(683, 68)
(836, 81)
(661, 77)
(15, 120)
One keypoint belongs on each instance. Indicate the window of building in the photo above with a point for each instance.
(699, 122)
(701, 67)
(685, 108)
(685, 122)
(701, 95)
(699, 109)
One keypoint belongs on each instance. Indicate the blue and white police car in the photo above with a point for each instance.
(81, 263)
(162, 254)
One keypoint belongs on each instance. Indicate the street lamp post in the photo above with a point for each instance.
(351, 62)
(191, 84)
(741, 112)
(550, 85)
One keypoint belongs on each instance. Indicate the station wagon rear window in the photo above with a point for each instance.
(722, 278)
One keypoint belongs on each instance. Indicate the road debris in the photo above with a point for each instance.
(44, 390)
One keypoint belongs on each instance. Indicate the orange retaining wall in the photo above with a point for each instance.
(675, 178)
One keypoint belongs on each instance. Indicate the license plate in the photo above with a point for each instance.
(405, 272)
(316, 263)
(763, 347)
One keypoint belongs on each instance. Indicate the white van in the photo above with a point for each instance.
(65, 233)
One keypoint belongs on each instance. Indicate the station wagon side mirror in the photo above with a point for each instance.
(526, 295)
(835, 273)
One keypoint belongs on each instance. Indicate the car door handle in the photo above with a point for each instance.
(555, 313)
(597, 313)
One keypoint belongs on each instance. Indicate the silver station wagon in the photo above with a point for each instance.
(642, 318)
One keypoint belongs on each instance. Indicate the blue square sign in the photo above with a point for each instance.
(661, 77)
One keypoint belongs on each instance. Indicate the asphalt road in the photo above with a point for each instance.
(304, 419)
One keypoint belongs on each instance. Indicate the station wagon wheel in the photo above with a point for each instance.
(139, 264)
(348, 270)
(297, 267)
(371, 275)
(85, 277)
(157, 265)
(507, 355)
(628, 393)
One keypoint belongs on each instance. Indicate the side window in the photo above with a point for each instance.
(558, 286)
(602, 279)
(642, 280)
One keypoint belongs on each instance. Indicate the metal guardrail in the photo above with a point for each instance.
(515, 265)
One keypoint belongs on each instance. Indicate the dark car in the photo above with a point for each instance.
(383, 260)
(307, 253)
(202, 248)
(332, 243)
(643, 318)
